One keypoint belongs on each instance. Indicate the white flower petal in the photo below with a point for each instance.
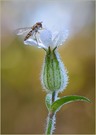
(33, 42)
(60, 37)
(30, 42)
(46, 37)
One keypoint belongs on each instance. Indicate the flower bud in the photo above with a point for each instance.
(54, 76)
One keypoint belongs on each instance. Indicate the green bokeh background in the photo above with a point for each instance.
(22, 98)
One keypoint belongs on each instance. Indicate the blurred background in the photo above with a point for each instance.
(22, 98)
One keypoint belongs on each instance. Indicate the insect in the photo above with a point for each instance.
(32, 30)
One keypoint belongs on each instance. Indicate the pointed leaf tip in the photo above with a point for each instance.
(67, 99)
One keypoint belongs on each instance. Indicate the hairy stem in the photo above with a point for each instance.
(51, 118)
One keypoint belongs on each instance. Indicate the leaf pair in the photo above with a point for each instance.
(62, 101)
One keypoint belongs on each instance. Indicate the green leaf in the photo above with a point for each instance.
(48, 101)
(67, 99)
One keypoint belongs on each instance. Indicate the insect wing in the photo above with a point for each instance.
(21, 31)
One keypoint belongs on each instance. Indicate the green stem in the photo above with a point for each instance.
(51, 118)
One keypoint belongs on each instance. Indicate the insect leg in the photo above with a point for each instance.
(36, 37)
